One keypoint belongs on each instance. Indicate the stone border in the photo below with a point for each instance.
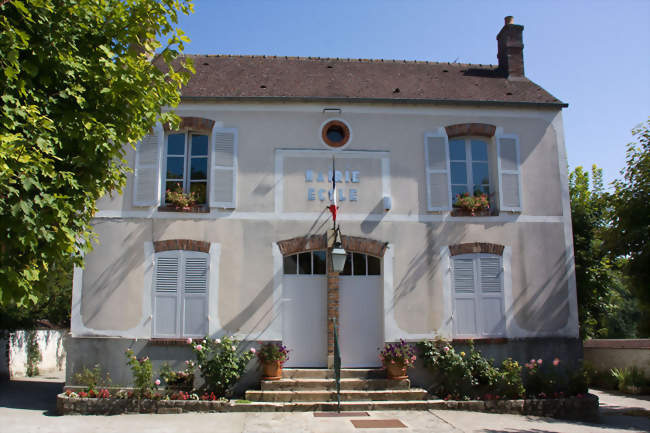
(585, 408)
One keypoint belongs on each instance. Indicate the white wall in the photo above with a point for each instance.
(50, 343)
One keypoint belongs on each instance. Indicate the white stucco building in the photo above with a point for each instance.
(256, 144)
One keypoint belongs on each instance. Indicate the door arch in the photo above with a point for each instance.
(354, 298)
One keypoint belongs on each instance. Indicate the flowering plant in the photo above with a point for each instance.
(472, 203)
(183, 378)
(220, 363)
(142, 371)
(179, 199)
(271, 352)
(400, 353)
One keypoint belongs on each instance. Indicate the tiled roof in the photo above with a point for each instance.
(329, 79)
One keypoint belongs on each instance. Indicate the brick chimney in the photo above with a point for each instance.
(511, 49)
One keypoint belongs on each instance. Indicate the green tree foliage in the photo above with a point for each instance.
(630, 231)
(76, 83)
(605, 306)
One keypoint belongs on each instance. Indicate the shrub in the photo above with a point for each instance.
(92, 379)
(509, 383)
(271, 352)
(180, 378)
(599, 378)
(142, 373)
(630, 380)
(33, 353)
(453, 374)
(220, 363)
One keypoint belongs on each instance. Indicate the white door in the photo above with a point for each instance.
(360, 316)
(304, 324)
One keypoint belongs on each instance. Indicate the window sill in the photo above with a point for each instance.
(487, 340)
(192, 209)
(458, 212)
(169, 341)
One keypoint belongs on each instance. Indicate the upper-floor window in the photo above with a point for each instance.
(472, 165)
(200, 158)
(469, 166)
(186, 166)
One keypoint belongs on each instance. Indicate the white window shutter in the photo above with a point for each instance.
(509, 173)
(465, 314)
(436, 152)
(491, 296)
(167, 278)
(195, 294)
(223, 170)
(146, 179)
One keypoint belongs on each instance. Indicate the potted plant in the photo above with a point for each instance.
(179, 200)
(396, 358)
(472, 204)
(180, 380)
(272, 356)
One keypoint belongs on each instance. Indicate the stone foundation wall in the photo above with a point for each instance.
(585, 408)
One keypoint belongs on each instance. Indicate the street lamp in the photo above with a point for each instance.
(339, 255)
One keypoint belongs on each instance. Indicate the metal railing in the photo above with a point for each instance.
(337, 366)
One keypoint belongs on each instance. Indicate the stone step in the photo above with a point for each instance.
(329, 384)
(325, 373)
(328, 406)
(328, 396)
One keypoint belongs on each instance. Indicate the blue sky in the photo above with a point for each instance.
(594, 55)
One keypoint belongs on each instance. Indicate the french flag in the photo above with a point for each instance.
(333, 207)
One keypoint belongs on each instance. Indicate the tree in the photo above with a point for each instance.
(77, 83)
(630, 231)
(605, 306)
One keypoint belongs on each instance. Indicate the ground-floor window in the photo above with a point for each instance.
(478, 295)
(180, 301)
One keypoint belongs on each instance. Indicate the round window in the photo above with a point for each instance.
(336, 133)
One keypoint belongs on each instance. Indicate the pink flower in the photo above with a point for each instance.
(233, 348)
(157, 382)
(189, 341)
(446, 349)
(218, 341)
(556, 362)
(532, 361)
(199, 347)
(539, 361)
(253, 350)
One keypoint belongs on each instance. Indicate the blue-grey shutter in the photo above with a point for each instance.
(464, 286)
(509, 173)
(146, 177)
(436, 151)
(195, 294)
(166, 323)
(491, 296)
(223, 170)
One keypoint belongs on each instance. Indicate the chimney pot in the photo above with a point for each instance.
(509, 19)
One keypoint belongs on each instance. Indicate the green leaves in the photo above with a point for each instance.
(76, 85)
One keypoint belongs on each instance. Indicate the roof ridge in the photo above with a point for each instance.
(341, 59)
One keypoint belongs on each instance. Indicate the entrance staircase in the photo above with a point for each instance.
(315, 390)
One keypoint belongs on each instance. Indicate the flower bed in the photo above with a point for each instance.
(584, 407)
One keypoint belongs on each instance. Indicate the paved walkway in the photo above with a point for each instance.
(29, 406)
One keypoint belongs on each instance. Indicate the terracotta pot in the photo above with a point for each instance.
(396, 371)
(272, 370)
